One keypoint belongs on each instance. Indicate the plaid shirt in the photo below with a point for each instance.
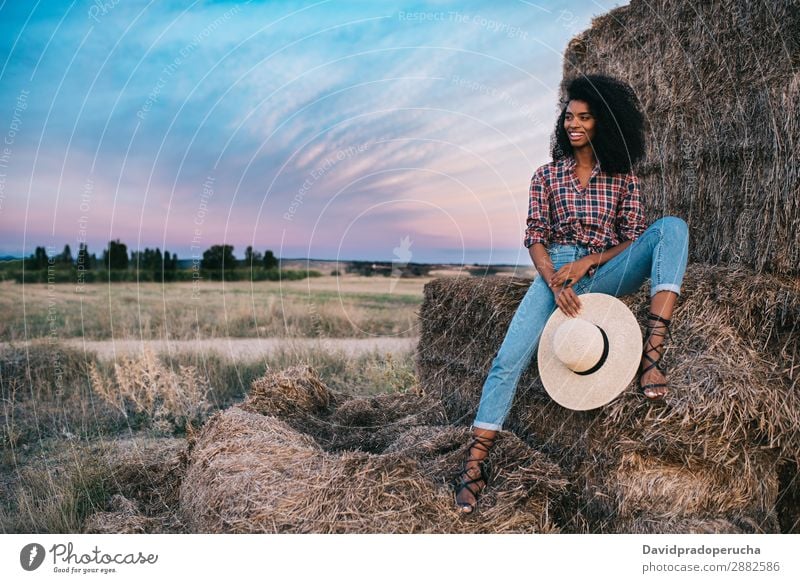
(605, 213)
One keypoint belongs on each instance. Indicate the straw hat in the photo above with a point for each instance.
(586, 361)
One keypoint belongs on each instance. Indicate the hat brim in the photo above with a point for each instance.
(579, 392)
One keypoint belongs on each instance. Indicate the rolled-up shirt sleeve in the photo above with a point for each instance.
(630, 213)
(538, 222)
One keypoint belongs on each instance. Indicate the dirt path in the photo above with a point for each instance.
(242, 348)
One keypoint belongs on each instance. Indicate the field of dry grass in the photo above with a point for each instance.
(96, 376)
(328, 306)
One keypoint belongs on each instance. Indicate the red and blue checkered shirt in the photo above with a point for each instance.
(604, 214)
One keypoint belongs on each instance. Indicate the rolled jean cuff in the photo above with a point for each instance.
(489, 426)
(665, 287)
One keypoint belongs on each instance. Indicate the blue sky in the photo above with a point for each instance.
(315, 129)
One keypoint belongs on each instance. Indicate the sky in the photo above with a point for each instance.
(329, 130)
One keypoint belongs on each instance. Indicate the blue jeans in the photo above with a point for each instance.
(661, 253)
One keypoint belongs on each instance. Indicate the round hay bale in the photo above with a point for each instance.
(244, 470)
(298, 396)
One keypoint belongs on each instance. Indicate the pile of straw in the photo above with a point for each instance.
(714, 451)
(251, 471)
(720, 86)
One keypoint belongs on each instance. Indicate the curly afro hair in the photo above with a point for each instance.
(619, 124)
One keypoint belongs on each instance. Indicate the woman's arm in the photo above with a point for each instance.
(630, 222)
(538, 221)
(571, 273)
(541, 261)
(536, 235)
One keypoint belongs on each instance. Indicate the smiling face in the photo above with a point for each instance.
(579, 123)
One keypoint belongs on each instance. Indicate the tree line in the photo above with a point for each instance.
(115, 257)
(118, 264)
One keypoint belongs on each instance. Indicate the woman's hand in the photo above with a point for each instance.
(561, 285)
(570, 273)
(567, 300)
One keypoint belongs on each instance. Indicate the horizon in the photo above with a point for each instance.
(280, 259)
(312, 130)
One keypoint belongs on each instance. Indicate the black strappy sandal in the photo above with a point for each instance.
(481, 443)
(659, 350)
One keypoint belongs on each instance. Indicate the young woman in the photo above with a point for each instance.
(586, 232)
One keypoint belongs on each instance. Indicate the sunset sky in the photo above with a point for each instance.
(315, 129)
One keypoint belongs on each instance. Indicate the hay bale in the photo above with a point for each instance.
(688, 487)
(299, 397)
(462, 323)
(733, 389)
(735, 177)
(730, 385)
(639, 485)
(235, 451)
(254, 473)
(725, 398)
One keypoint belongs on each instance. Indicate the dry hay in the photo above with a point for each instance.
(788, 505)
(338, 421)
(705, 462)
(724, 159)
(145, 475)
(372, 424)
(725, 399)
(733, 393)
(669, 525)
(638, 486)
(294, 391)
(296, 457)
(254, 473)
(123, 517)
(701, 488)
(731, 365)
